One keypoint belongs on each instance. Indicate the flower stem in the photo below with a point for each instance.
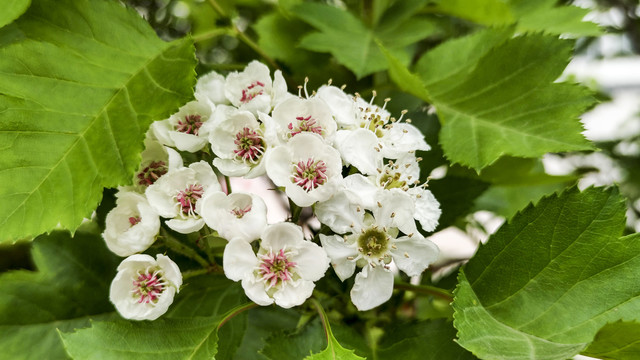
(210, 34)
(245, 39)
(183, 249)
(235, 312)
(214, 4)
(227, 182)
(323, 318)
(193, 273)
(426, 290)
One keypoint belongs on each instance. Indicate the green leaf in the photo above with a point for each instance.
(206, 295)
(195, 338)
(295, 344)
(563, 265)
(616, 341)
(486, 12)
(334, 350)
(354, 44)
(456, 195)
(545, 16)
(508, 104)
(12, 9)
(406, 81)
(77, 94)
(432, 340)
(70, 287)
(263, 322)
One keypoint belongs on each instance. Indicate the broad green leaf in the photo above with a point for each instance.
(77, 93)
(487, 12)
(563, 265)
(545, 16)
(427, 340)
(509, 105)
(206, 295)
(12, 9)
(334, 350)
(296, 344)
(70, 287)
(354, 44)
(406, 81)
(195, 338)
(616, 341)
(264, 322)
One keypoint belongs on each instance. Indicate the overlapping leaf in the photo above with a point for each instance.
(12, 9)
(616, 341)
(70, 287)
(565, 269)
(504, 103)
(354, 44)
(79, 85)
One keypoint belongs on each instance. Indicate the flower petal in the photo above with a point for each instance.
(339, 252)
(311, 261)
(238, 260)
(294, 294)
(413, 255)
(373, 287)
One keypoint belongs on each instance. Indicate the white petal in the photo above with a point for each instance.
(363, 188)
(357, 149)
(373, 287)
(231, 167)
(340, 212)
(171, 270)
(401, 139)
(342, 105)
(282, 235)
(413, 255)
(255, 291)
(397, 210)
(311, 261)
(187, 142)
(185, 226)
(427, 208)
(238, 260)
(294, 294)
(339, 251)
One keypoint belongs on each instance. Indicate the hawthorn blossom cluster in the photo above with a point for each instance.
(348, 159)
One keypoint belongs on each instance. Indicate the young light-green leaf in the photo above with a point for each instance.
(78, 90)
(70, 287)
(616, 341)
(508, 104)
(563, 265)
(12, 9)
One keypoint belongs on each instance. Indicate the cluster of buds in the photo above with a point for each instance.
(248, 125)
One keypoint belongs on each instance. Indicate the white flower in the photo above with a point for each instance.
(253, 90)
(211, 86)
(306, 167)
(144, 287)
(132, 225)
(373, 244)
(184, 129)
(176, 195)
(376, 136)
(235, 216)
(284, 269)
(393, 177)
(297, 115)
(157, 160)
(237, 139)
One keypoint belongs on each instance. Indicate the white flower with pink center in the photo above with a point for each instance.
(157, 160)
(253, 90)
(284, 269)
(238, 141)
(132, 225)
(235, 216)
(144, 287)
(307, 168)
(176, 196)
(185, 129)
(372, 244)
(298, 115)
(211, 87)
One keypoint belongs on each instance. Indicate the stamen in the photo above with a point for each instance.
(253, 90)
(191, 124)
(148, 287)
(275, 268)
(310, 174)
(188, 197)
(152, 172)
(133, 220)
(250, 145)
(239, 213)
(305, 124)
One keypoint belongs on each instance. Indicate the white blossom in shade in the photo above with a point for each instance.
(373, 244)
(237, 139)
(211, 87)
(298, 115)
(184, 130)
(342, 106)
(307, 168)
(176, 196)
(235, 216)
(157, 160)
(253, 90)
(284, 269)
(132, 225)
(144, 287)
